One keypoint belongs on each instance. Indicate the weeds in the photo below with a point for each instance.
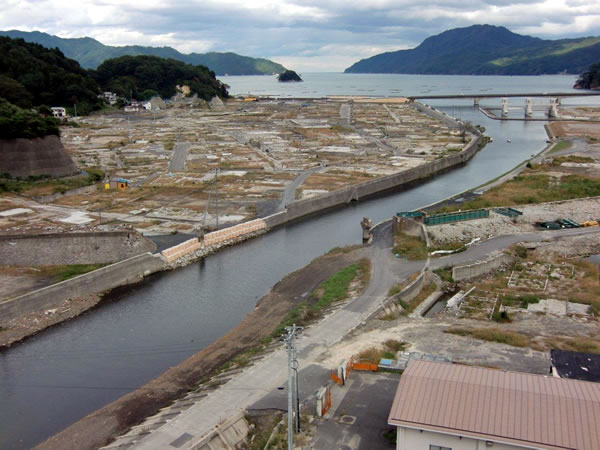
(495, 335)
(411, 247)
(334, 289)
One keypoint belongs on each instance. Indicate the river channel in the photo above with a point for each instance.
(65, 373)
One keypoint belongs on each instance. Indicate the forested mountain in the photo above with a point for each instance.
(590, 79)
(486, 50)
(145, 76)
(90, 53)
(32, 75)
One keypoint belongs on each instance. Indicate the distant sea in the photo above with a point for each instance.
(393, 85)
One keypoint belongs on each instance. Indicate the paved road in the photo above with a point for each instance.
(359, 421)
(177, 163)
(345, 114)
(289, 194)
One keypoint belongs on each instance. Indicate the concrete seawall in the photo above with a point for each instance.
(480, 268)
(128, 271)
(73, 248)
(354, 193)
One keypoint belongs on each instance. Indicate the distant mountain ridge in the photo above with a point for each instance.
(486, 50)
(90, 53)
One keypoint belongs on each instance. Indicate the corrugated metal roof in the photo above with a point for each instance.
(510, 407)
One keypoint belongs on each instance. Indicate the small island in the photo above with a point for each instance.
(589, 79)
(289, 75)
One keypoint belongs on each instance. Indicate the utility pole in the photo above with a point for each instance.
(217, 194)
(293, 398)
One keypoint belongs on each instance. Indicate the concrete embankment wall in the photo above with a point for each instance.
(480, 268)
(343, 196)
(125, 272)
(73, 248)
(39, 156)
(216, 238)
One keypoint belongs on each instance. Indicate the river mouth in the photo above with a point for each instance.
(140, 331)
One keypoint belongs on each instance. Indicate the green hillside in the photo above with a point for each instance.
(32, 75)
(590, 79)
(486, 50)
(90, 53)
(144, 76)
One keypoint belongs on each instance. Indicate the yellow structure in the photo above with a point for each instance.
(120, 184)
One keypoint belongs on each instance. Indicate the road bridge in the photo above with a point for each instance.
(502, 95)
(555, 98)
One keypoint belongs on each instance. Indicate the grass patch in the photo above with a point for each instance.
(445, 274)
(532, 187)
(387, 350)
(334, 289)
(495, 335)
(64, 272)
(413, 248)
(426, 291)
(561, 145)
(346, 249)
(575, 344)
(44, 184)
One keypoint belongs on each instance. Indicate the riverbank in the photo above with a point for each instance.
(190, 252)
(98, 428)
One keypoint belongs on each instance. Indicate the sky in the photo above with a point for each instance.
(307, 36)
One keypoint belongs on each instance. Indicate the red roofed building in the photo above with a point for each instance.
(442, 406)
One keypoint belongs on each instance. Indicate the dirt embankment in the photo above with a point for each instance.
(100, 427)
(30, 324)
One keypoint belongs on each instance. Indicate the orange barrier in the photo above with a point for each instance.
(349, 367)
(335, 378)
(365, 366)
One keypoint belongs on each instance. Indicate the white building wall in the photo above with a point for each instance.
(409, 439)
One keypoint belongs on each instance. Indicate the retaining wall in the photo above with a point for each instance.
(39, 156)
(73, 248)
(234, 233)
(343, 196)
(125, 272)
(480, 268)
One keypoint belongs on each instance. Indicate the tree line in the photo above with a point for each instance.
(32, 76)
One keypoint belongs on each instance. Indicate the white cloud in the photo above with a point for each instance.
(311, 35)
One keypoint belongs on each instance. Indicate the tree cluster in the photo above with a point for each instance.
(23, 123)
(142, 77)
(32, 75)
(589, 79)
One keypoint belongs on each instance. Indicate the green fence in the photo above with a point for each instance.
(437, 219)
(410, 214)
(509, 212)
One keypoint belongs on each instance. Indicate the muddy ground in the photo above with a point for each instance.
(100, 427)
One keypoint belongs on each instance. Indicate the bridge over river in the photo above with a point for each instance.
(555, 98)
(502, 95)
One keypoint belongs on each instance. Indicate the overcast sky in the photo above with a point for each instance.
(307, 36)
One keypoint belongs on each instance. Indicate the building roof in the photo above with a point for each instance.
(576, 365)
(508, 407)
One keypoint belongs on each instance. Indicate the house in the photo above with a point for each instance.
(134, 107)
(443, 406)
(575, 365)
(59, 112)
(120, 184)
(110, 97)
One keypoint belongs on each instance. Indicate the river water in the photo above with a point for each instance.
(60, 375)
